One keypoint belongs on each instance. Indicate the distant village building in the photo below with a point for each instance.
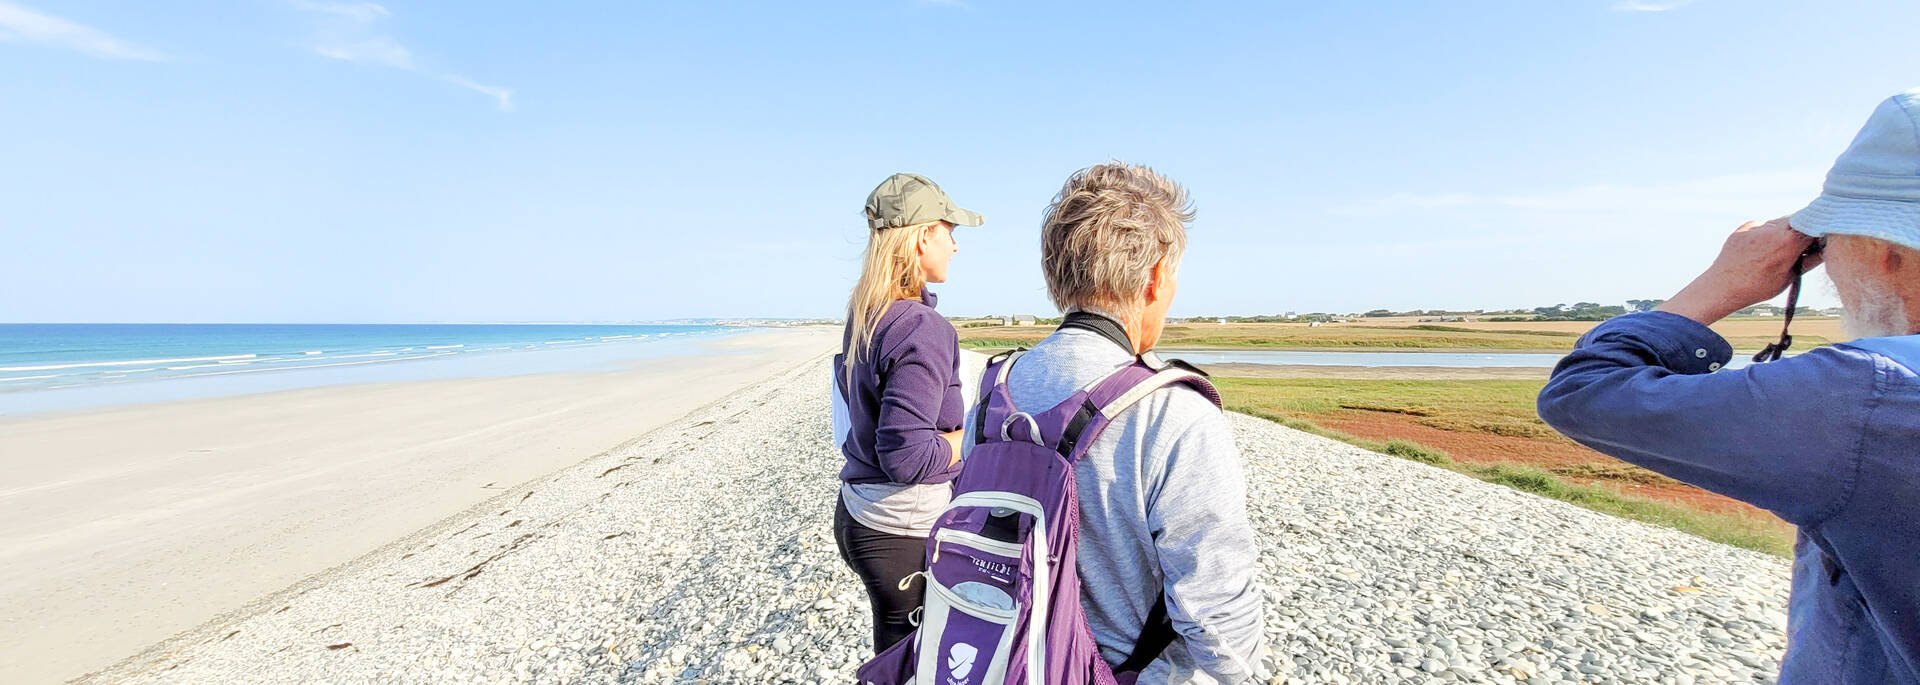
(1222, 321)
(1765, 310)
(1313, 324)
(1018, 320)
(1833, 311)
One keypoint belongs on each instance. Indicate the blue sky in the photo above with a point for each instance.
(299, 160)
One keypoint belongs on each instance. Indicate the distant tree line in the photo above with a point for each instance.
(1578, 311)
(1378, 313)
(1268, 318)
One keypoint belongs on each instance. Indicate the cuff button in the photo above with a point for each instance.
(1700, 353)
(1714, 366)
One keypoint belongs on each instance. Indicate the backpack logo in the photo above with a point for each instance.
(960, 660)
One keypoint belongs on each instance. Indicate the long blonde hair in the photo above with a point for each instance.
(891, 271)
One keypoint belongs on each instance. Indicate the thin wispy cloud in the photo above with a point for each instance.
(1749, 192)
(352, 34)
(500, 95)
(1649, 5)
(19, 23)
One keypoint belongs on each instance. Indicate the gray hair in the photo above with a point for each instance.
(1105, 230)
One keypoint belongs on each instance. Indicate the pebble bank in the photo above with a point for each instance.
(702, 552)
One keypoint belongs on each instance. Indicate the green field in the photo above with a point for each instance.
(1465, 406)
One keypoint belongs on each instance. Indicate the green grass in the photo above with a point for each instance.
(1492, 407)
(983, 344)
(1740, 530)
(1416, 452)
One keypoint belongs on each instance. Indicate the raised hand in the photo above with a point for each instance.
(1754, 265)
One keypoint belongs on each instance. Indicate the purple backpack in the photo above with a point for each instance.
(1002, 592)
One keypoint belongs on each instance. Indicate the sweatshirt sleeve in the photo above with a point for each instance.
(1648, 389)
(1197, 514)
(917, 374)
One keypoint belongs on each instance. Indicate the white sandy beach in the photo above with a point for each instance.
(128, 525)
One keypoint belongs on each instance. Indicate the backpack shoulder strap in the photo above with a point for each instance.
(1104, 403)
(994, 376)
(1160, 379)
(1198, 378)
(1122, 389)
(1154, 638)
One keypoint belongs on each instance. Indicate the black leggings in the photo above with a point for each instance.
(881, 560)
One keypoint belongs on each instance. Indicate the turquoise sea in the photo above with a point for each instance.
(47, 367)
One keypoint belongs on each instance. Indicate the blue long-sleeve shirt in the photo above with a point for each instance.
(1829, 440)
(905, 393)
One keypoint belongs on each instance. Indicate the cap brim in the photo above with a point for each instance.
(1894, 221)
(961, 217)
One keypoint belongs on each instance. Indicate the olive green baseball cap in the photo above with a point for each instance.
(908, 199)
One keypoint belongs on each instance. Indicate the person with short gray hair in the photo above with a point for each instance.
(1101, 238)
(1829, 439)
(1166, 554)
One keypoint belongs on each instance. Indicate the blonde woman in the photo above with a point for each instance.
(897, 375)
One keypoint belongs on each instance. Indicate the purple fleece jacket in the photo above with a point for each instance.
(906, 392)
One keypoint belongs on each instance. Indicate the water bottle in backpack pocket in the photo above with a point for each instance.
(979, 591)
(969, 616)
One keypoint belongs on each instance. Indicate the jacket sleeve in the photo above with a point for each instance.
(916, 374)
(1208, 557)
(1782, 436)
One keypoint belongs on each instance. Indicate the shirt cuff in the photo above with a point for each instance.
(1678, 343)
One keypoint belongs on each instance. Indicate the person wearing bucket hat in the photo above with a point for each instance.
(896, 392)
(1829, 440)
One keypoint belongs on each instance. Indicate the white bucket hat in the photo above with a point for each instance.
(1873, 189)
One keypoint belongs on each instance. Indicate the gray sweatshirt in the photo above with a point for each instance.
(1162, 505)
